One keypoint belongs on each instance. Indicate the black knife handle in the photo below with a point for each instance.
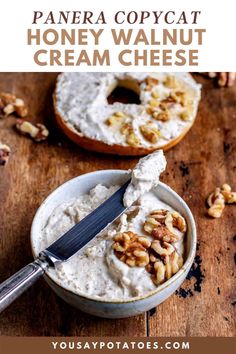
(14, 286)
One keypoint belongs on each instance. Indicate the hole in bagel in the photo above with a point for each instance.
(125, 91)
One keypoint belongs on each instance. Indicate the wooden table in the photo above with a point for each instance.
(204, 159)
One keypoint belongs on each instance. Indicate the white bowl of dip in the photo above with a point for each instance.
(105, 307)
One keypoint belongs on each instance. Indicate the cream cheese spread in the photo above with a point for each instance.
(81, 100)
(95, 270)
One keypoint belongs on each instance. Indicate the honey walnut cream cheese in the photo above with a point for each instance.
(135, 254)
(167, 109)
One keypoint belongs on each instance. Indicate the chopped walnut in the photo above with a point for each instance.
(171, 82)
(155, 94)
(185, 115)
(120, 114)
(162, 116)
(150, 132)
(132, 249)
(169, 100)
(9, 104)
(165, 105)
(131, 138)
(150, 83)
(116, 118)
(150, 110)
(4, 154)
(38, 132)
(180, 97)
(153, 103)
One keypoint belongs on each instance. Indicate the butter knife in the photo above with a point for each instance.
(64, 247)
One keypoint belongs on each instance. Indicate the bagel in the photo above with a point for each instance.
(167, 110)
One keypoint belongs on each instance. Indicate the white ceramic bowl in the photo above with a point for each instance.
(110, 308)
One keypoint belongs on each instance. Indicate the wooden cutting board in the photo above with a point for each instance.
(204, 306)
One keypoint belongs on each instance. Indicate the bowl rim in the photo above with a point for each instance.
(187, 264)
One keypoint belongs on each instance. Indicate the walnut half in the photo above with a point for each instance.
(162, 224)
(132, 249)
(164, 262)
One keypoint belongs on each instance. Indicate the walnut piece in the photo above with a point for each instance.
(175, 220)
(171, 82)
(163, 116)
(132, 249)
(4, 154)
(216, 203)
(185, 115)
(150, 83)
(173, 263)
(38, 132)
(162, 224)
(153, 102)
(150, 132)
(116, 118)
(130, 137)
(163, 266)
(155, 94)
(230, 197)
(9, 104)
(158, 276)
(218, 198)
(180, 97)
(162, 248)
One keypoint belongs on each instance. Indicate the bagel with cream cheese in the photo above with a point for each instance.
(167, 110)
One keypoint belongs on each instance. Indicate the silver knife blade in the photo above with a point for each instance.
(83, 232)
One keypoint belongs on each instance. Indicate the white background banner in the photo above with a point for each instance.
(216, 53)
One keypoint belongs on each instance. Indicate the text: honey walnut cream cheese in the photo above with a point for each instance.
(141, 250)
(168, 105)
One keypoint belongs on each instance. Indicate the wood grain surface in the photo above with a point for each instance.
(205, 304)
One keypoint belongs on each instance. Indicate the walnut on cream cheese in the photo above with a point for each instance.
(124, 260)
(132, 249)
(159, 256)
